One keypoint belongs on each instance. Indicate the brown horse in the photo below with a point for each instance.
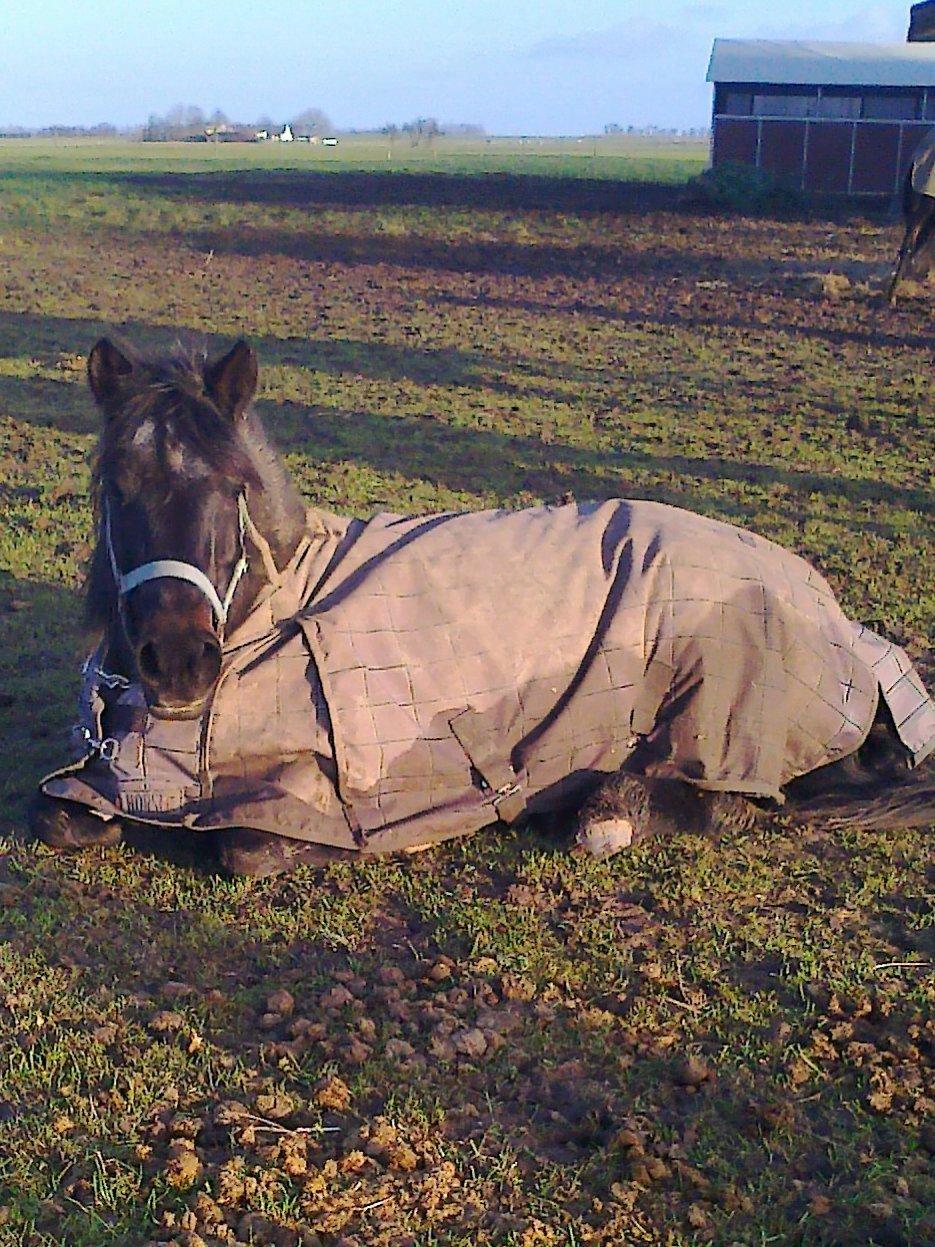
(197, 520)
(918, 211)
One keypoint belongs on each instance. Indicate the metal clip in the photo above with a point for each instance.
(111, 680)
(108, 749)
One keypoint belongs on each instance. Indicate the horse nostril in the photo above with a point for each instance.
(204, 662)
(148, 662)
(180, 666)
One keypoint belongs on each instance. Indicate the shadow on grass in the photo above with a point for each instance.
(47, 338)
(472, 459)
(484, 460)
(483, 258)
(41, 650)
(491, 190)
(382, 188)
(689, 320)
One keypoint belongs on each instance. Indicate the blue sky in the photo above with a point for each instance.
(515, 66)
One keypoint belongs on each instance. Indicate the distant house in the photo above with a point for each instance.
(287, 135)
(832, 117)
(330, 141)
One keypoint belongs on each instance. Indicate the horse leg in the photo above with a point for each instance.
(919, 221)
(902, 260)
(924, 236)
(732, 811)
(67, 825)
(626, 809)
(244, 852)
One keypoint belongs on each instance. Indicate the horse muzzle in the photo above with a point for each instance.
(178, 670)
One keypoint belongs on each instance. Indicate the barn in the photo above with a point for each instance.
(838, 118)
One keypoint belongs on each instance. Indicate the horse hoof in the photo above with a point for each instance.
(65, 825)
(247, 854)
(604, 837)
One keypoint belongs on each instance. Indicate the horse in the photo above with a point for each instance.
(254, 678)
(918, 207)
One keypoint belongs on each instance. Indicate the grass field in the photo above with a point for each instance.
(630, 158)
(695, 1042)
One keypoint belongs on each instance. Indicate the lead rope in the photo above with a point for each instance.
(266, 554)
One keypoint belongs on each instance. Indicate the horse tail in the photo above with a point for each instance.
(887, 805)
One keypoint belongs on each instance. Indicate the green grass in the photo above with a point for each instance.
(694, 1042)
(619, 157)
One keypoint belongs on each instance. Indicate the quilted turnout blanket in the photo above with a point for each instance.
(406, 680)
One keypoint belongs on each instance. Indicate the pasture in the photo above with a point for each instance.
(492, 1043)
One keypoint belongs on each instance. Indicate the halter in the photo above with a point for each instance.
(175, 569)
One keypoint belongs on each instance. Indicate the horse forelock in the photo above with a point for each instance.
(168, 433)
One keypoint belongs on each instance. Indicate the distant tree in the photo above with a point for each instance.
(311, 121)
(463, 128)
(390, 131)
(102, 130)
(155, 130)
(181, 121)
(422, 130)
(218, 118)
(185, 117)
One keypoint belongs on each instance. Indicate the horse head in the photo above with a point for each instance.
(195, 513)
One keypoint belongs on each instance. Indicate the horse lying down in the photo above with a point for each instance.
(307, 686)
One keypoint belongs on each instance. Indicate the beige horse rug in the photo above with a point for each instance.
(407, 680)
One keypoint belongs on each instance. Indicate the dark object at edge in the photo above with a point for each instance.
(922, 22)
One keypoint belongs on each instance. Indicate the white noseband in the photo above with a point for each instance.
(175, 569)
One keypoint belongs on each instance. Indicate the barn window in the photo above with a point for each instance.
(790, 105)
(839, 107)
(738, 103)
(892, 106)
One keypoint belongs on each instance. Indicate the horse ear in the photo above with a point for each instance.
(108, 369)
(230, 382)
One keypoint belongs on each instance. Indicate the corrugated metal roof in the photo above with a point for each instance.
(794, 62)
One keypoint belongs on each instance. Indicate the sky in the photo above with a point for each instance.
(513, 66)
